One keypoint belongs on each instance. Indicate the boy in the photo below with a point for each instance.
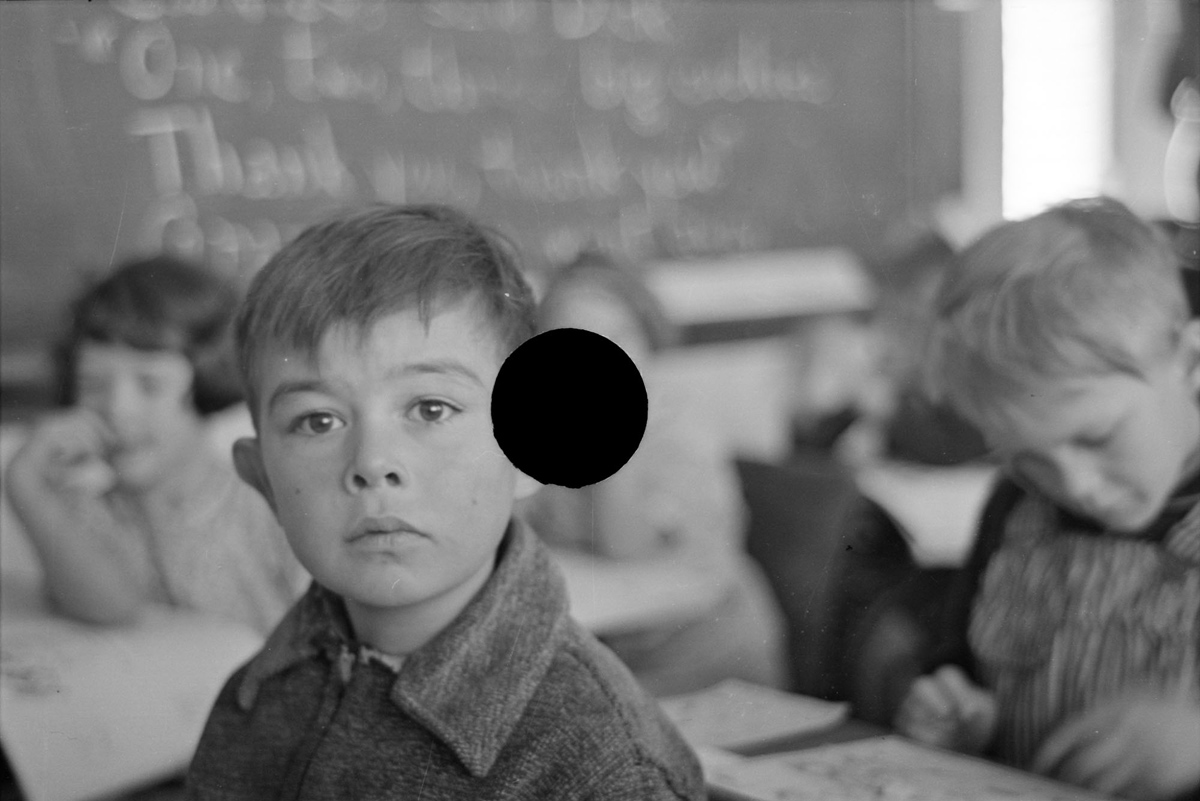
(433, 656)
(1066, 339)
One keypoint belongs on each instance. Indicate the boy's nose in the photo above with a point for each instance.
(374, 465)
(370, 478)
(1079, 481)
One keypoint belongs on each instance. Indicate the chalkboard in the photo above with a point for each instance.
(658, 129)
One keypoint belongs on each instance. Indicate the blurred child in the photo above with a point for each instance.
(121, 497)
(857, 392)
(433, 655)
(839, 401)
(1067, 340)
(677, 500)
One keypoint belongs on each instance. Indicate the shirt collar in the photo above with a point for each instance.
(469, 685)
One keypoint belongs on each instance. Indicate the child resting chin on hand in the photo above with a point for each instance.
(122, 497)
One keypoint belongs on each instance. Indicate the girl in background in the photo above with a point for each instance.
(120, 492)
(676, 500)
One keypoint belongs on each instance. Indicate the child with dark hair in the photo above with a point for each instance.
(434, 655)
(677, 501)
(120, 494)
(1073, 636)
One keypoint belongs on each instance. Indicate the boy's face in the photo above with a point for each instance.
(144, 401)
(1111, 447)
(379, 460)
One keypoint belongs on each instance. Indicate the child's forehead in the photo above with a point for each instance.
(99, 356)
(460, 326)
(1054, 409)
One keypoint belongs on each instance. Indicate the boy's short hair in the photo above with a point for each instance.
(361, 265)
(160, 303)
(622, 281)
(1083, 288)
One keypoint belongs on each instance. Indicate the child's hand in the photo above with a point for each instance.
(67, 452)
(947, 710)
(1137, 745)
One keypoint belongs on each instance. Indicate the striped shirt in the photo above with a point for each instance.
(1065, 615)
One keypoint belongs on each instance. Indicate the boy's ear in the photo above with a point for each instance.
(526, 486)
(247, 459)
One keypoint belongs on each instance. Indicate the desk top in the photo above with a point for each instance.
(852, 760)
(88, 711)
(609, 596)
(876, 767)
(761, 744)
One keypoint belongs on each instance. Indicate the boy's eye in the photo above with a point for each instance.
(317, 423)
(434, 411)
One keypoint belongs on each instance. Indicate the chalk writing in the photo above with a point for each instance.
(434, 80)
(750, 73)
(683, 172)
(620, 69)
(311, 77)
(175, 225)
(400, 178)
(190, 160)
(264, 172)
(635, 83)
(654, 128)
(507, 16)
(152, 65)
(631, 20)
(148, 62)
(593, 172)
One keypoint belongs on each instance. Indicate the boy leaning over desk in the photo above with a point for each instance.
(1073, 643)
(433, 655)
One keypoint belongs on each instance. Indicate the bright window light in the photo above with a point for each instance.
(1057, 134)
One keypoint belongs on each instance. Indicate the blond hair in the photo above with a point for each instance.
(1084, 288)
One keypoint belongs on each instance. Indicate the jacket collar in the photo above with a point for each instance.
(470, 685)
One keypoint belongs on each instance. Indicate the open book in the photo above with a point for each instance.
(887, 767)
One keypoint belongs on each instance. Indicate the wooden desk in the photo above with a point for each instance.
(831, 757)
(87, 711)
(613, 597)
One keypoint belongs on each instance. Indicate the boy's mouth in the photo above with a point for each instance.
(379, 526)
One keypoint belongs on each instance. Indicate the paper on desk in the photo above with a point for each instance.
(736, 713)
(88, 711)
(876, 768)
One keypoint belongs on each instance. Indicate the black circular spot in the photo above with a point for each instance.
(569, 407)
